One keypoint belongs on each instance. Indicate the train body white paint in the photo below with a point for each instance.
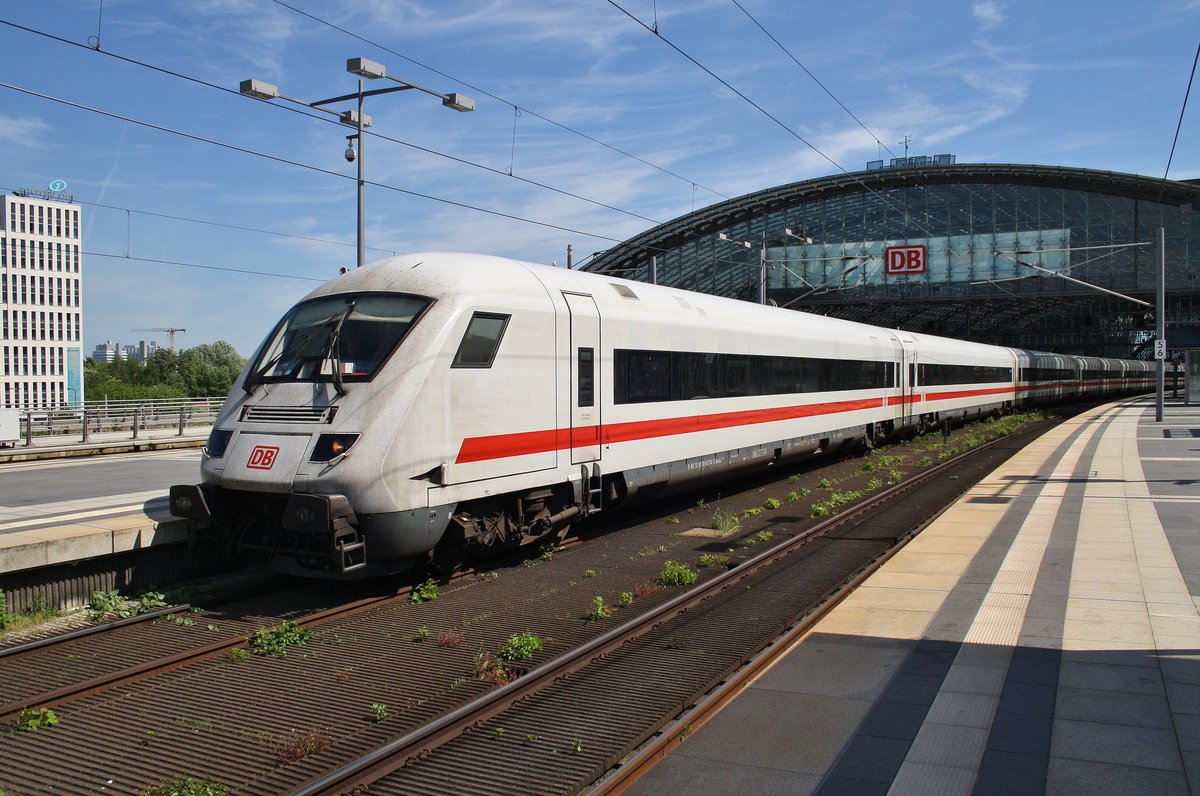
(444, 397)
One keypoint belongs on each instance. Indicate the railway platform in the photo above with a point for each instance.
(1040, 636)
(36, 535)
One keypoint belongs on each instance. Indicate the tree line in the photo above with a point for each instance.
(205, 370)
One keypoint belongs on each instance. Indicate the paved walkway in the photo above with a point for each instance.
(73, 530)
(1042, 636)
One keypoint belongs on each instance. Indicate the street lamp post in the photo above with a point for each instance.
(364, 68)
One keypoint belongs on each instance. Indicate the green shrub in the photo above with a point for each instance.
(676, 574)
(186, 787)
(424, 592)
(274, 641)
(520, 647)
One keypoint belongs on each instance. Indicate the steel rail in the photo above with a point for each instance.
(170, 662)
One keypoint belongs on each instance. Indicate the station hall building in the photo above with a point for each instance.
(986, 252)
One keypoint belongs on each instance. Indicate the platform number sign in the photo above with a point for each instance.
(1160, 349)
(900, 260)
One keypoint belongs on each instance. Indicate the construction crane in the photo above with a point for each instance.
(171, 329)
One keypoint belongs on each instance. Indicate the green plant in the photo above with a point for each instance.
(925, 461)
(186, 621)
(672, 520)
(772, 503)
(821, 510)
(423, 634)
(752, 512)
(895, 475)
(530, 738)
(492, 575)
(548, 550)
(793, 478)
(763, 536)
(626, 598)
(274, 641)
(4, 620)
(793, 496)
(599, 610)
(521, 646)
(712, 560)
(873, 484)
(32, 719)
(186, 787)
(589, 573)
(424, 592)
(674, 573)
(576, 745)
(724, 523)
(239, 654)
(380, 712)
(825, 483)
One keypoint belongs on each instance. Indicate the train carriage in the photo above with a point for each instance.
(460, 399)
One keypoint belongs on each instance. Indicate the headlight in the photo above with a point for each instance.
(218, 441)
(330, 446)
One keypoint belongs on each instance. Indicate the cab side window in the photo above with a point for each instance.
(482, 339)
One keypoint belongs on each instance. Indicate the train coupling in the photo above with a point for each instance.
(330, 516)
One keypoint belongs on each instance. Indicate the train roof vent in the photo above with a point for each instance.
(289, 414)
(625, 291)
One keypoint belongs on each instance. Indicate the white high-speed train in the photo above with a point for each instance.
(459, 398)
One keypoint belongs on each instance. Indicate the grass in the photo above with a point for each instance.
(39, 612)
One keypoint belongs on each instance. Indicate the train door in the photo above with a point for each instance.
(585, 377)
(907, 377)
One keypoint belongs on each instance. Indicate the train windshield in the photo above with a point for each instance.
(344, 338)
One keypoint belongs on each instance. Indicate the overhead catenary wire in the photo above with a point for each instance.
(486, 93)
(824, 88)
(298, 164)
(335, 122)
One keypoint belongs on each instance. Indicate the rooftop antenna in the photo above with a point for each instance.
(907, 138)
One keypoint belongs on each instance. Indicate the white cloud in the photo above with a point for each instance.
(988, 14)
(22, 131)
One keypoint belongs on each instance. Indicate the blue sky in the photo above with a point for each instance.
(589, 127)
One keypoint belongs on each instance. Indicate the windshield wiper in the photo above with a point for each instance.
(333, 349)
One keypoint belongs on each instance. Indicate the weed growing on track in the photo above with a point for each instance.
(521, 646)
(108, 605)
(380, 712)
(491, 669)
(599, 610)
(626, 598)
(449, 638)
(424, 592)
(187, 787)
(300, 745)
(708, 560)
(274, 641)
(32, 719)
(676, 574)
(725, 523)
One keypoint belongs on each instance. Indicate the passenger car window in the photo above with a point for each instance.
(482, 339)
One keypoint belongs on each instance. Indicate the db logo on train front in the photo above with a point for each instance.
(263, 457)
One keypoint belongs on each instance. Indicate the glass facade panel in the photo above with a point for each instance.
(987, 230)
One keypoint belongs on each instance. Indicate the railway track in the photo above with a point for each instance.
(579, 714)
(401, 676)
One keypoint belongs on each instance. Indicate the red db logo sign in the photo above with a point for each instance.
(904, 260)
(262, 457)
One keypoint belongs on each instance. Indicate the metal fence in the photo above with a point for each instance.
(106, 417)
